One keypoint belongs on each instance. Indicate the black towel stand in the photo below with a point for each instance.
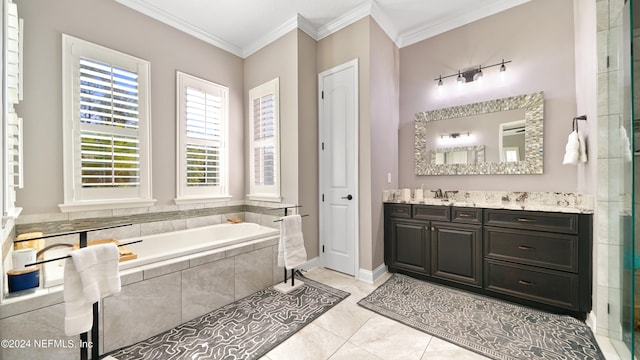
(286, 209)
(95, 335)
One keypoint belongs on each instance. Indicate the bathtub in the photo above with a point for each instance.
(170, 245)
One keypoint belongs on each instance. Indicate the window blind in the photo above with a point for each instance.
(204, 126)
(264, 140)
(109, 140)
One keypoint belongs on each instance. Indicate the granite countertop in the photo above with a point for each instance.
(530, 201)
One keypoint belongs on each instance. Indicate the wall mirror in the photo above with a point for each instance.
(501, 136)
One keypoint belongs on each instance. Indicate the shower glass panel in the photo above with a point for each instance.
(619, 161)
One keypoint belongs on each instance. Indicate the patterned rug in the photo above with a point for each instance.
(245, 329)
(490, 327)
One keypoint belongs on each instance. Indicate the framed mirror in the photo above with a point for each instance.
(501, 136)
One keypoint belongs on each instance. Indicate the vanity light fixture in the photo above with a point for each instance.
(472, 74)
(455, 135)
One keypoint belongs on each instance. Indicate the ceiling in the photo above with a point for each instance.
(242, 27)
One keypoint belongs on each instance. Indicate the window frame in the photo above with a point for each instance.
(268, 193)
(190, 194)
(77, 198)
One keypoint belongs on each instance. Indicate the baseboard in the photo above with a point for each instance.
(310, 264)
(371, 276)
(591, 321)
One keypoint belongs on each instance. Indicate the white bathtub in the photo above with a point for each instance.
(170, 245)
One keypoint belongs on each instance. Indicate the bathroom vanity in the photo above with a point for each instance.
(536, 258)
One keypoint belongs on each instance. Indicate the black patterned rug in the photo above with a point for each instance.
(245, 329)
(490, 327)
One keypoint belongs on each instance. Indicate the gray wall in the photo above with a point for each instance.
(538, 38)
(292, 58)
(125, 30)
(385, 94)
(350, 43)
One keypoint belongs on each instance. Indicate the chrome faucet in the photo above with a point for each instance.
(449, 192)
(522, 197)
(437, 194)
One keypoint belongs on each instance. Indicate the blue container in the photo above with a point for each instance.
(23, 280)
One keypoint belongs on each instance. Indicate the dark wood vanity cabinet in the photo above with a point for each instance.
(410, 246)
(408, 230)
(425, 240)
(456, 247)
(539, 259)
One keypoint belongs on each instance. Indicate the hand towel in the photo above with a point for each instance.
(626, 144)
(572, 149)
(582, 151)
(291, 251)
(89, 275)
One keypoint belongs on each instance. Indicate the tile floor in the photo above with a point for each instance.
(351, 332)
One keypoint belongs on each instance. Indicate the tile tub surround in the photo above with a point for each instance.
(153, 299)
(513, 200)
(145, 221)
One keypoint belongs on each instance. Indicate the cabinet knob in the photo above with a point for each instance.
(433, 228)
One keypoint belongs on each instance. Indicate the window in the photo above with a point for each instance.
(13, 74)
(106, 128)
(202, 136)
(264, 145)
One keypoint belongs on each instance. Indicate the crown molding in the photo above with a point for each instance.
(368, 8)
(418, 34)
(347, 19)
(381, 18)
(171, 20)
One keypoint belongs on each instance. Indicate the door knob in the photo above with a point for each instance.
(348, 197)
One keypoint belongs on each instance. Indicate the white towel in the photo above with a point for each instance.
(582, 151)
(626, 144)
(291, 251)
(90, 275)
(572, 149)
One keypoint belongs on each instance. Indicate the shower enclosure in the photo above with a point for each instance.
(617, 83)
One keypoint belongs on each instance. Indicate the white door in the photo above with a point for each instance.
(338, 117)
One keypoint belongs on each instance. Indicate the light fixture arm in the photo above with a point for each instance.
(469, 74)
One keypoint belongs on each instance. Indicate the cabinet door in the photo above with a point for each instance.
(410, 246)
(456, 252)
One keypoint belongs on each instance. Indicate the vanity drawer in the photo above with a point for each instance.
(399, 210)
(553, 251)
(432, 212)
(533, 220)
(536, 284)
(466, 215)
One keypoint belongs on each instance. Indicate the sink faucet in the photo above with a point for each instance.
(437, 194)
(449, 192)
(522, 197)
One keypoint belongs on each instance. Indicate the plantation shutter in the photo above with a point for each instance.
(264, 140)
(109, 124)
(13, 48)
(264, 168)
(204, 126)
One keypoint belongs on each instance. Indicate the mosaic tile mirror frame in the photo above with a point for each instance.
(533, 105)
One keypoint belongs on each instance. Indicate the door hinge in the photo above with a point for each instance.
(322, 94)
(322, 146)
(322, 248)
(322, 197)
(607, 61)
(608, 309)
